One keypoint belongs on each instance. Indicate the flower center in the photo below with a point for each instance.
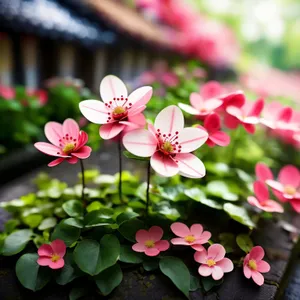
(118, 108)
(55, 257)
(167, 142)
(167, 147)
(203, 110)
(68, 148)
(210, 262)
(190, 238)
(290, 190)
(150, 244)
(252, 264)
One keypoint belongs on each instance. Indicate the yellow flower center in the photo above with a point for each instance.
(119, 110)
(149, 244)
(167, 147)
(68, 148)
(190, 238)
(252, 264)
(210, 262)
(290, 190)
(55, 257)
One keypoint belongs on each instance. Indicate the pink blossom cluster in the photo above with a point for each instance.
(192, 33)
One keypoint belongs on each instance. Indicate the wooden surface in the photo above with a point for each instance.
(138, 285)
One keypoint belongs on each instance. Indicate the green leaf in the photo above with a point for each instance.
(33, 221)
(47, 223)
(16, 242)
(109, 251)
(244, 242)
(127, 255)
(69, 272)
(239, 214)
(105, 179)
(30, 274)
(177, 271)
(69, 234)
(208, 283)
(218, 168)
(125, 216)
(73, 222)
(10, 225)
(95, 205)
(77, 292)
(132, 156)
(227, 239)
(195, 284)
(129, 228)
(109, 279)
(220, 189)
(97, 218)
(73, 208)
(141, 191)
(151, 264)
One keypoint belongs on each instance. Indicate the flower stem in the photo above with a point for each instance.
(83, 182)
(148, 186)
(120, 170)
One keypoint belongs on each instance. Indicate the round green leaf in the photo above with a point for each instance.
(129, 228)
(239, 214)
(63, 231)
(96, 205)
(127, 255)
(208, 283)
(10, 225)
(47, 223)
(177, 271)
(69, 272)
(33, 220)
(73, 222)
(16, 242)
(197, 195)
(244, 242)
(73, 208)
(125, 216)
(97, 218)
(109, 251)
(220, 189)
(151, 264)
(30, 274)
(109, 279)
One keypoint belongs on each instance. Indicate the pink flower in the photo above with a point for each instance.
(194, 236)
(236, 98)
(52, 255)
(205, 102)
(67, 142)
(263, 172)
(247, 115)
(150, 241)
(7, 92)
(254, 265)
(40, 94)
(117, 111)
(262, 200)
(169, 144)
(213, 262)
(212, 124)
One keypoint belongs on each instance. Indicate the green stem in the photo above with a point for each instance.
(120, 170)
(83, 181)
(148, 186)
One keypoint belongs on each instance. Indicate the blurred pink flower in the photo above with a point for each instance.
(150, 242)
(213, 262)
(262, 200)
(7, 92)
(212, 124)
(194, 236)
(254, 265)
(169, 144)
(52, 255)
(117, 111)
(40, 94)
(67, 142)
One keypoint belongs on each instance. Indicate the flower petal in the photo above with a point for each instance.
(196, 230)
(190, 165)
(152, 251)
(140, 142)
(162, 245)
(212, 104)
(53, 132)
(212, 123)
(138, 119)
(83, 152)
(257, 253)
(217, 273)
(211, 89)
(191, 139)
(57, 264)
(169, 120)
(139, 247)
(272, 206)
(250, 128)
(197, 101)
(247, 271)
(289, 175)
(296, 205)
(220, 138)
(261, 191)
(71, 128)
(257, 108)
(95, 111)
(56, 162)
(205, 270)
(231, 122)
(179, 241)
(110, 130)
(45, 250)
(82, 139)
(59, 247)
(205, 236)
(49, 149)
(142, 236)
(201, 257)
(263, 172)
(225, 264)
(140, 96)
(155, 233)
(136, 110)
(189, 109)
(163, 164)
(197, 247)
(73, 160)
(44, 261)
(277, 186)
(216, 252)
(180, 229)
(257, 278)
(235, 112)
(254, 202)
(263, 266)
(112, 87)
